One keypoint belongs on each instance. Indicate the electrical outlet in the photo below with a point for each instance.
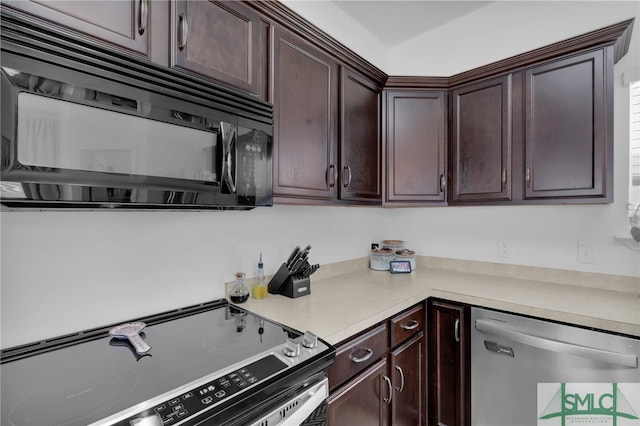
(586, 252)
(504, 248)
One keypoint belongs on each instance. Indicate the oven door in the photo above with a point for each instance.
(306, 407)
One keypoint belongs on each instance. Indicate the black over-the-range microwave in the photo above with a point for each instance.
(84, 127)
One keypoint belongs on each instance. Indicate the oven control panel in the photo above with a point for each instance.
(217, 390)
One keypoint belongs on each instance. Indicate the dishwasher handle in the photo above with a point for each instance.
(617, 358)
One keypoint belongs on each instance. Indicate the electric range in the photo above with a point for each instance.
(213, 363)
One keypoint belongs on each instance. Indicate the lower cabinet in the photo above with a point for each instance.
(407, 367)
(371, 384)
(449, 364)
(362, 401)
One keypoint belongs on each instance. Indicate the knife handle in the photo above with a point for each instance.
(292, 256)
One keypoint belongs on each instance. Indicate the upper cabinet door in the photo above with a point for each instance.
(568, 136)
(360, 148)
(119, 23)
(305, 109)
(481, 141)
(415, 146)
(222, 40)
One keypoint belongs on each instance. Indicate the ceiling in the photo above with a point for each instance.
(394, 22)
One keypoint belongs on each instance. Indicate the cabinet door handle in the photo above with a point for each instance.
(369, 354)
(527, 177)
(331, 177)
(183, 31)
(504, 179)
(411, 325)
(144, 16)
(399, 389)
(443, 183)
(390, 388)
(456, 330)
(347, 180)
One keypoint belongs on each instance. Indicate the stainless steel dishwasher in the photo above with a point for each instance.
(514, 358)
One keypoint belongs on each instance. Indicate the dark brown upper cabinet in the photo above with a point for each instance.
(481, 141)
(326, 127)
(120, 24)
(360, 147)
(305, 85)
(221, 40)
(568, 134)
(542, 134)
(415, 122)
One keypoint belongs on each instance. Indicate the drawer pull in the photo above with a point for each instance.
(390, 387)
(369, 354)
(399, 389)
(411, 325)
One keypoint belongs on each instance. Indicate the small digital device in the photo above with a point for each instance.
(400, 267)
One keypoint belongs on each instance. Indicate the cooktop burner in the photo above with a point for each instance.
(83, 397)
(92, 379)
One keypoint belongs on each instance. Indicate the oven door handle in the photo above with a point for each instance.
(305, 402)
(610, 357)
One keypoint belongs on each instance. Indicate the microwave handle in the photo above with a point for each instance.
(228, 132)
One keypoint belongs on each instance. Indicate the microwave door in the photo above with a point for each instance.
(229, 134)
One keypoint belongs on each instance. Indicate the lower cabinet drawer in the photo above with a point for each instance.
(357, 354)
(407, 324)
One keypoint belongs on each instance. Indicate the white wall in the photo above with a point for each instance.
(509, 28)
(67, 271)
(334, 21)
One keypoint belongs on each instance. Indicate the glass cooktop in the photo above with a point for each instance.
(92, 380)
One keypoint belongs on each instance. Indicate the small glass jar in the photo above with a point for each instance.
(260, 287)
(239, 292)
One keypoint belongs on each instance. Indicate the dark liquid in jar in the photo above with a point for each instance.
(239, 298)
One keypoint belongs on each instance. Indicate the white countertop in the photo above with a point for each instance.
(349, 297)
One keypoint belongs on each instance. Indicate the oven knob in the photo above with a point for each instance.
(150, 420)
(309, 340)
(291, 348)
